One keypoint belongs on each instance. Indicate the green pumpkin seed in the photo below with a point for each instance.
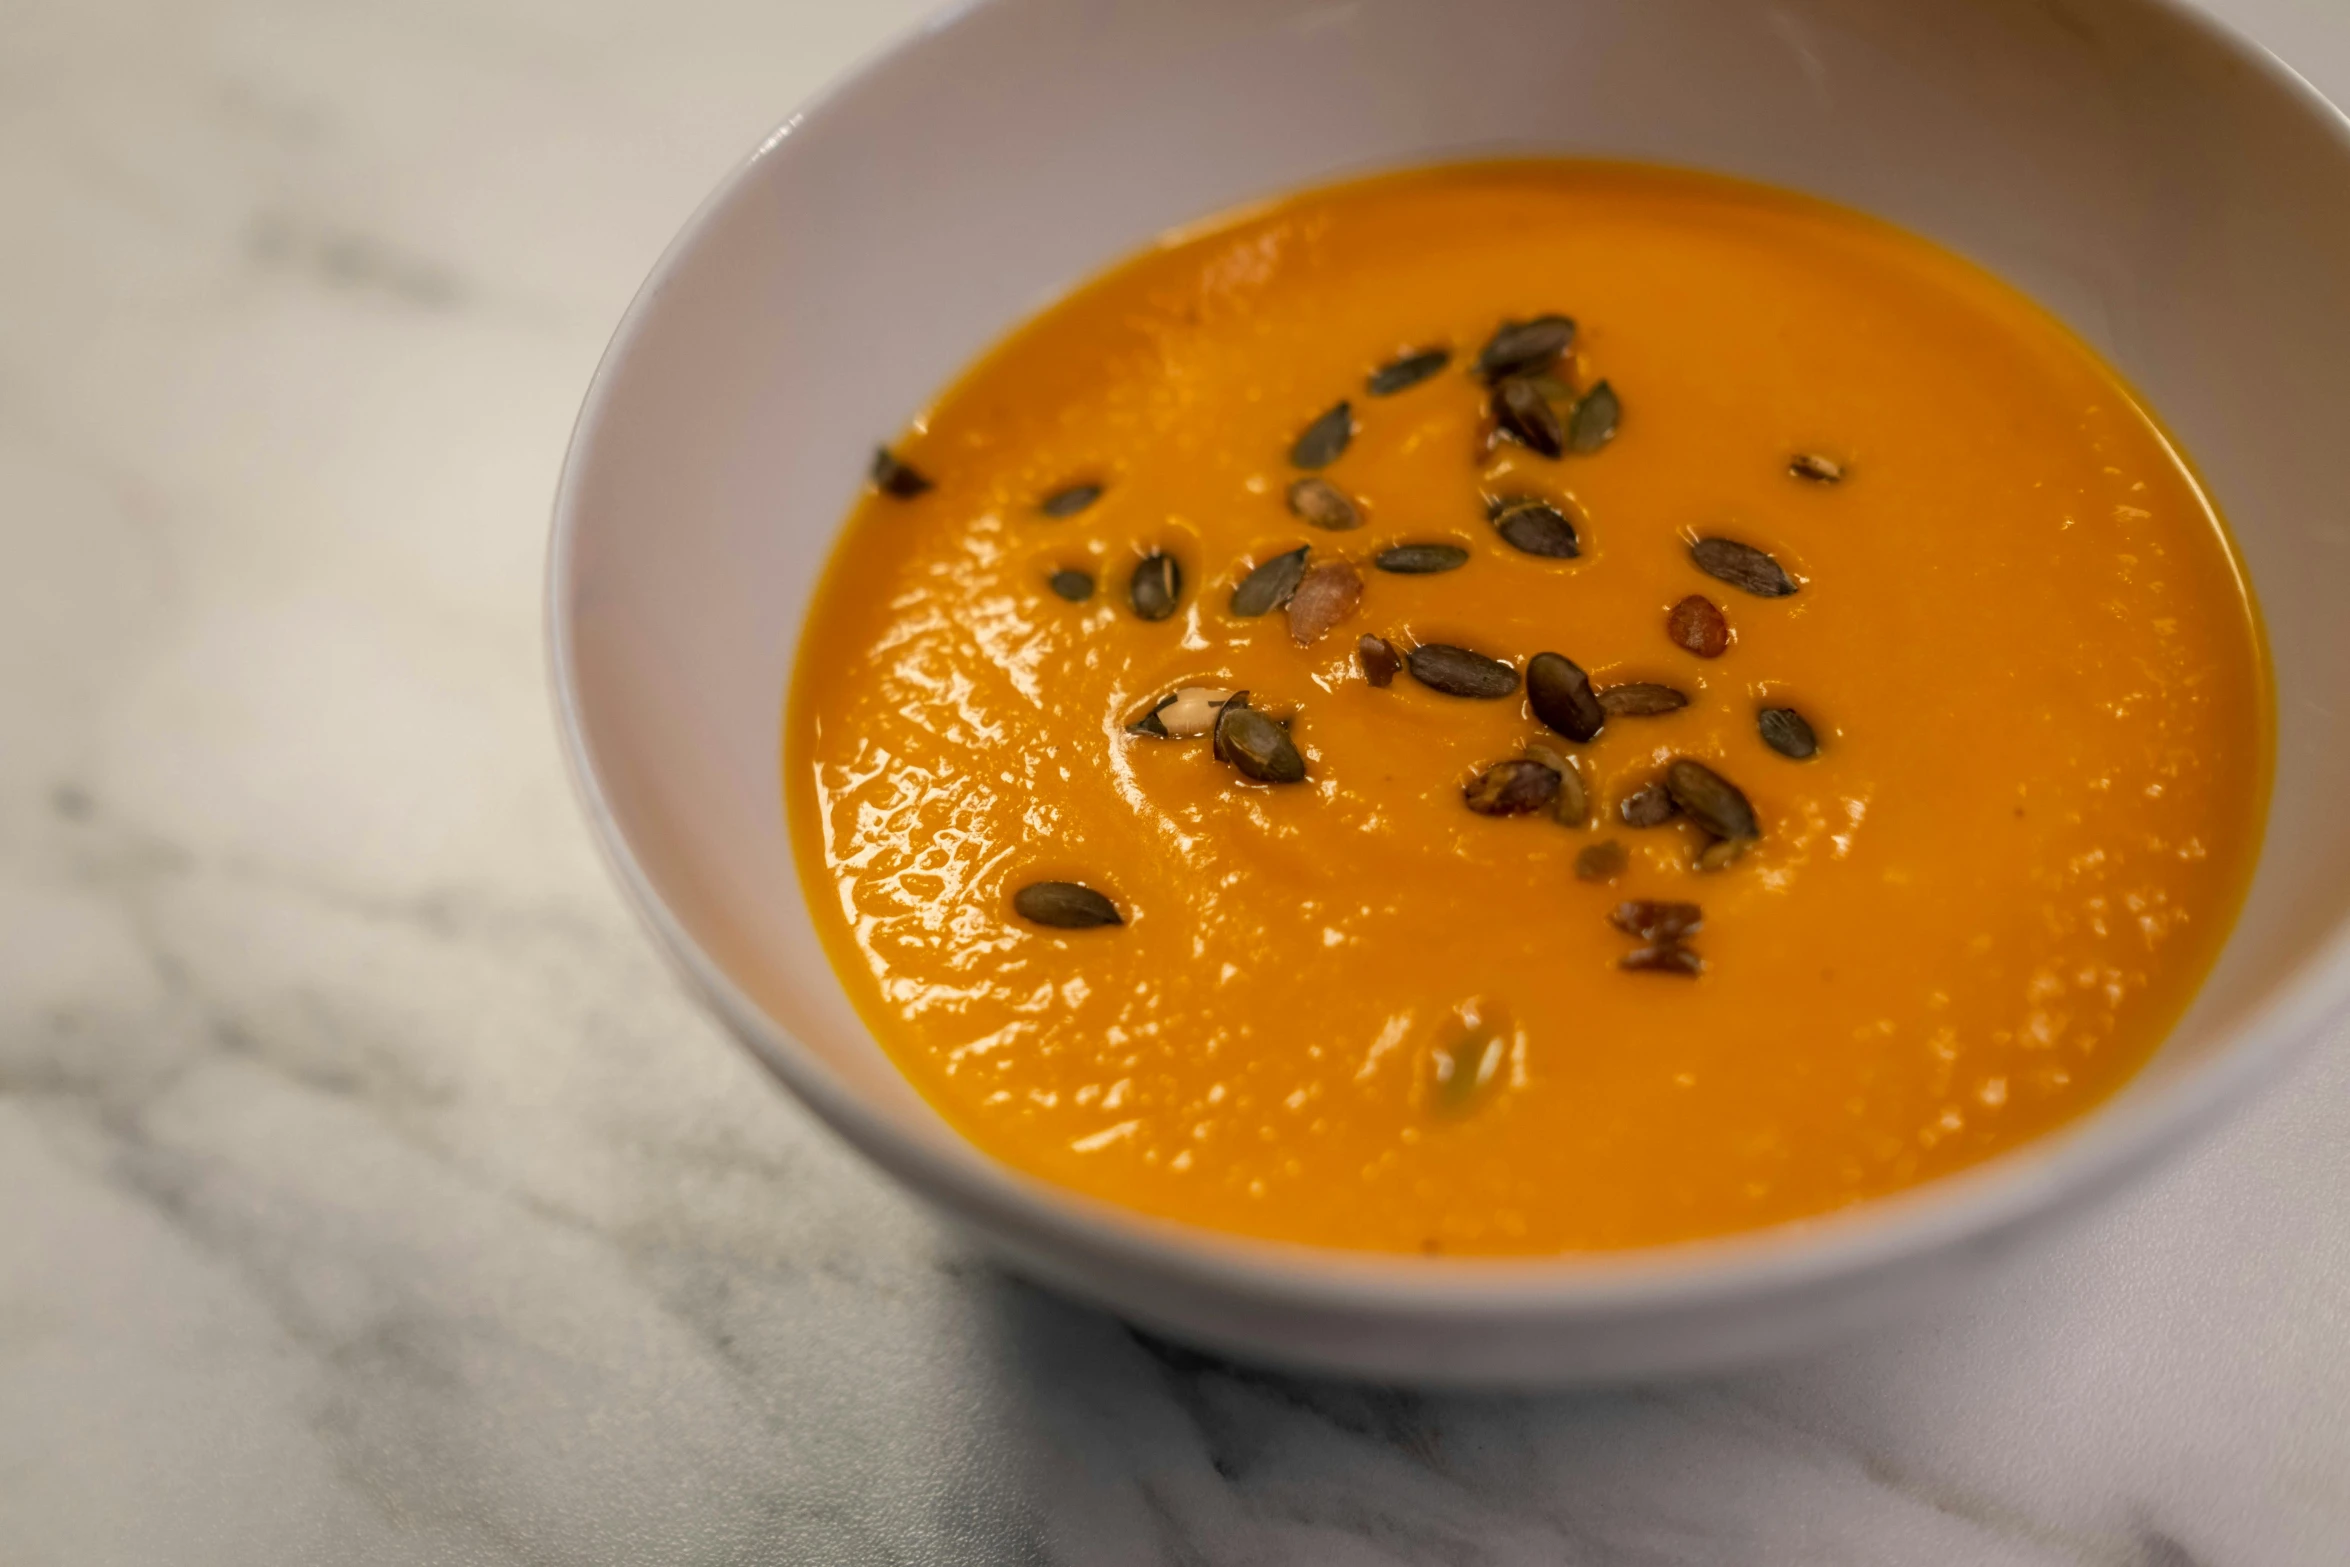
(1407, 371)
(1071, 501)
(1073, 585)
(1696, 624)
(1258, 746)
(1526, 415)
(1534, 525)
(1324, 439)
(1642, 699)
(1324, 505)
(1379, 659)
(1064, 905)
(1156, 587)
(1666, 957)
(1593, 423)
(1525, 347)
(1743, 567)
(1512, 789)
(1456, 671)
(1785, 731)
(1601, 861)
(1269, 586)
(1818, 469)
(1421, 560)
(901, 480)
(1712, 801)
(1561, 696)
(1649, 806)
(1654, 921)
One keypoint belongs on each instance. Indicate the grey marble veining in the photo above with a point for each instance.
(374, 1196)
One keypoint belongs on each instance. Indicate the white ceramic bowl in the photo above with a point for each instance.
(2177, 196)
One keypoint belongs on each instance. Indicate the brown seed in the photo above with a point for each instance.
(1071, 501)
(1270, 585)
(1785, 731)
(1818, 469)
(1324, 504)
(1326, 595)
(1379, 659)
(1593, 423)
(1323, 440)
(1654, 921)
(1649, 806)
(1534, 525)
(1642, 699)
(1156, 586)
(1512, 789)
(1721, 853)
(1712, 801)
(1601, 861)
(1667, 957)
(1456, 671)
(1525, 414)
(1525, 347)
(1698, 626)
(1073, 585)
(1561, 696)
(1743, 567)
(1407, 371)
(1421, 560)
(1064, 905)
(892, 477)
(1255, 744)
(1571, 807)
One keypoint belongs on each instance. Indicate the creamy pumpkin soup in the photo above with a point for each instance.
(1526, 708)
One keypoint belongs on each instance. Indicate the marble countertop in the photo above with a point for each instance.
(373, 1194)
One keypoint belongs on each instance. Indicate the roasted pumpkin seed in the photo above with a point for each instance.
(1593, 423)
(1664, 957)
(1326, 595)
(1601, 861)
(1150, 724)
(1785, 731)
(1515, 788)
(1269, 586)
(1073, 585)
(1642, 699)
(1324, 439)
(1743, 567)
(1421, 560)
(1064, 905)
(1069, 502)
(1525, 347)
(1571, 806)
(1324, 505)
(1254, 743)
(1562, 698)
(1696, 624)
(1156, 587)
(895, 478)
(1648, 806)
(1534, 525)
(1409, 370)
(1655, 921)
(1818, 469)
(1526, 415)
(1456, 671)
(1379, 659)
(1712, 801)
(1721, 853)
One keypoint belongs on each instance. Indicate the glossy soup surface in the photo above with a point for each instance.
(2020, 636)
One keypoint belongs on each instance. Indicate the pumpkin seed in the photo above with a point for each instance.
(1421, 560)
(1073, 585)
(1818, 469)
(1467, 1066)
(1324, 505)
(1572, 805)
(1720, 853)
(895, 478)
(1696, 624)
(1561, 696)
(1512, 789)
(1269, 586)
(1593, 423)
(1534, 525)
(1150, 723)
(1407, 371)
(1712, 801)
(1601, 861)
(1666, 957)
(1785, 731)
(1064, 905)
(1524, 347)
(1258, 746)
(1655, 921)
(1071, 501)
(1526, 415)
(1743, 567)
(1456, 671)
(1190, 711)
(1379, 659)
(1324, 439)
(1648, 806)
(1156, 586)
(1325, 596)
(1642, 699)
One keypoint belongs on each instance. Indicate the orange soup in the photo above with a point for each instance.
(1527, 708)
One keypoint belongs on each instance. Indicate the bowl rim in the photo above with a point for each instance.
(2075, 1162)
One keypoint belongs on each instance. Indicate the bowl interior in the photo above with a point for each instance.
(2182, 203)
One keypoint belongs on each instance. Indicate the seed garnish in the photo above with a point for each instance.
(1324, 439)
(1642, 699)
(1666, 957)
(1183, 714)
(1721, 853)
(1526, 415)
(1818, 469)
(1593, 423)
(1064, 905)
(1514, 788)
(1712, 801)
(1269, 586)
(1648, 806)
(1150, 723)
(1743, 567)
(1156, 587)
(1069, 502)
(1326, 595)
(1074, 585)
(1654, 921)
(1324, 505)
(1525, 347)
(1571, 806)
(1421, 560)
(1562, 698)
(1601, 861)
(1698, 626)
(1785, 731)
(1534, 525)
(895, 478)
(1456, 671)
(1255, 744)
(1407, 371)
(1379, 659)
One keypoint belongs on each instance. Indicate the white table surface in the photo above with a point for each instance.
(368, 1191)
